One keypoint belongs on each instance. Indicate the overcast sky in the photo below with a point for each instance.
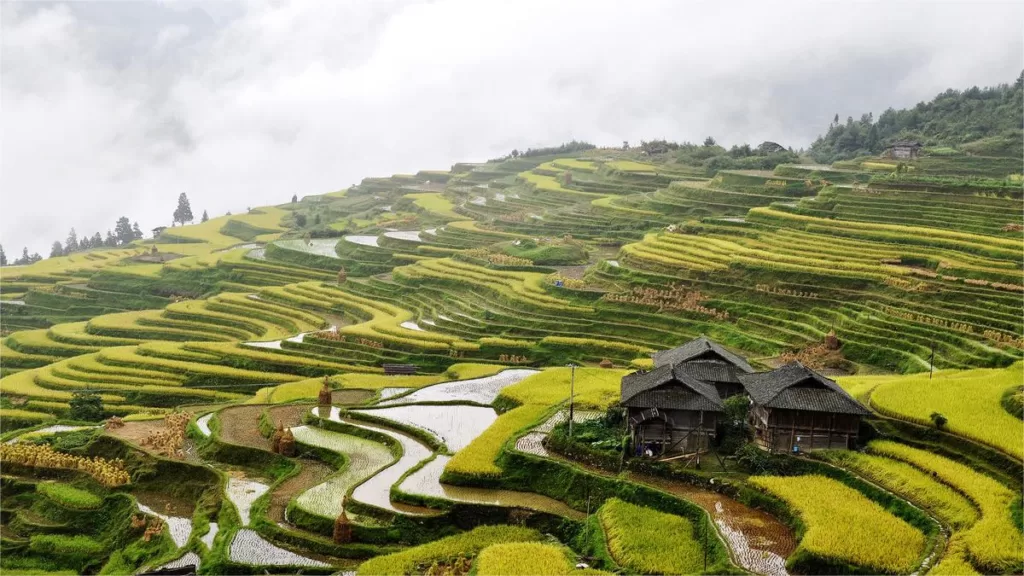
(114, 108)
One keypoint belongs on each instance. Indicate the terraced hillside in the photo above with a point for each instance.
(247, 364)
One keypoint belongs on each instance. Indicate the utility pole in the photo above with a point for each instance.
(931, 363)
(572, 393)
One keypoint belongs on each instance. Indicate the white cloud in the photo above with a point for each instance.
(245, 104)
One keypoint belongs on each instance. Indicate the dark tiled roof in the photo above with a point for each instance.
(672, 397)
(633, 385)
(786, 387)
(700, 348)
(711, 370)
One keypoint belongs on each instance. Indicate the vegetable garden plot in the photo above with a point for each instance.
(180, 528)
(479, 390)
(427, 482)
(203, 423)
(318, 246)
(377, 490)
(251, 549)
(243, 493)
(365, 458)
(412, 236)
(386, 393)
(48, 431)
(210, 535)
(189, 558)
(455, 426)
(362, 240)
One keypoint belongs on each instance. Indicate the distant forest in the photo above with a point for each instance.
(984, 121)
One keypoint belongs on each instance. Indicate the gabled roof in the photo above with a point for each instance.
(700, 348)
(649, 390)
(779, 389)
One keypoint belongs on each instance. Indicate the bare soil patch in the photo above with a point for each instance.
(313, 472)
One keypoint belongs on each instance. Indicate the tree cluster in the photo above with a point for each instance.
(124, 233)
(952, 118)
(573, 146)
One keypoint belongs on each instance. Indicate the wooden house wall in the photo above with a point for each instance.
(779, 430)
(681, 436)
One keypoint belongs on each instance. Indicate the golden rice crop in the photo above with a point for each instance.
(994, 542)
(450, 548)
(844, 525)
(646, 541)
(523, 559)
(478, 458)
(107, 472)
(595, 387)
(947, 504)
(969, 399)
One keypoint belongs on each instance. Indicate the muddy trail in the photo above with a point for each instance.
(313, 472)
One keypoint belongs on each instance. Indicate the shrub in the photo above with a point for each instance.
(86, 406)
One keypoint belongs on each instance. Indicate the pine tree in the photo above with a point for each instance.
(56, 249)
(123, 231)
(72, 242)
(295, 198)
(25, 258)
(183, 213)
(205, 217)
(3, 257)
(709, 141)
(110, 240)
(97, 240)
(136, 231)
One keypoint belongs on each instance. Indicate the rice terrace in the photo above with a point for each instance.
(659, 358)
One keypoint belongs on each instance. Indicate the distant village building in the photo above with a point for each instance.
(674, 407)
(903, 149)
(795, 409)
(768, 147)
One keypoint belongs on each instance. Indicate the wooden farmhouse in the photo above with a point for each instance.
(904, 149)
(795, 409)
(709, 362)
(674, 407)
(669, 410)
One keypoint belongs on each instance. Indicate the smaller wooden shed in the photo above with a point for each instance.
(795, 409)
(669, 411)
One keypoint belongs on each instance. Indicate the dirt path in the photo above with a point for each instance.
(313, 472)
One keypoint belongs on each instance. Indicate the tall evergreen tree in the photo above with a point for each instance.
(136, 231)
(71, 245)
(123, 231)
(205, 217)
(110, 240)
(183, 213)
(25, 258)
(56, 249)
(3, 257)
(97, 240)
